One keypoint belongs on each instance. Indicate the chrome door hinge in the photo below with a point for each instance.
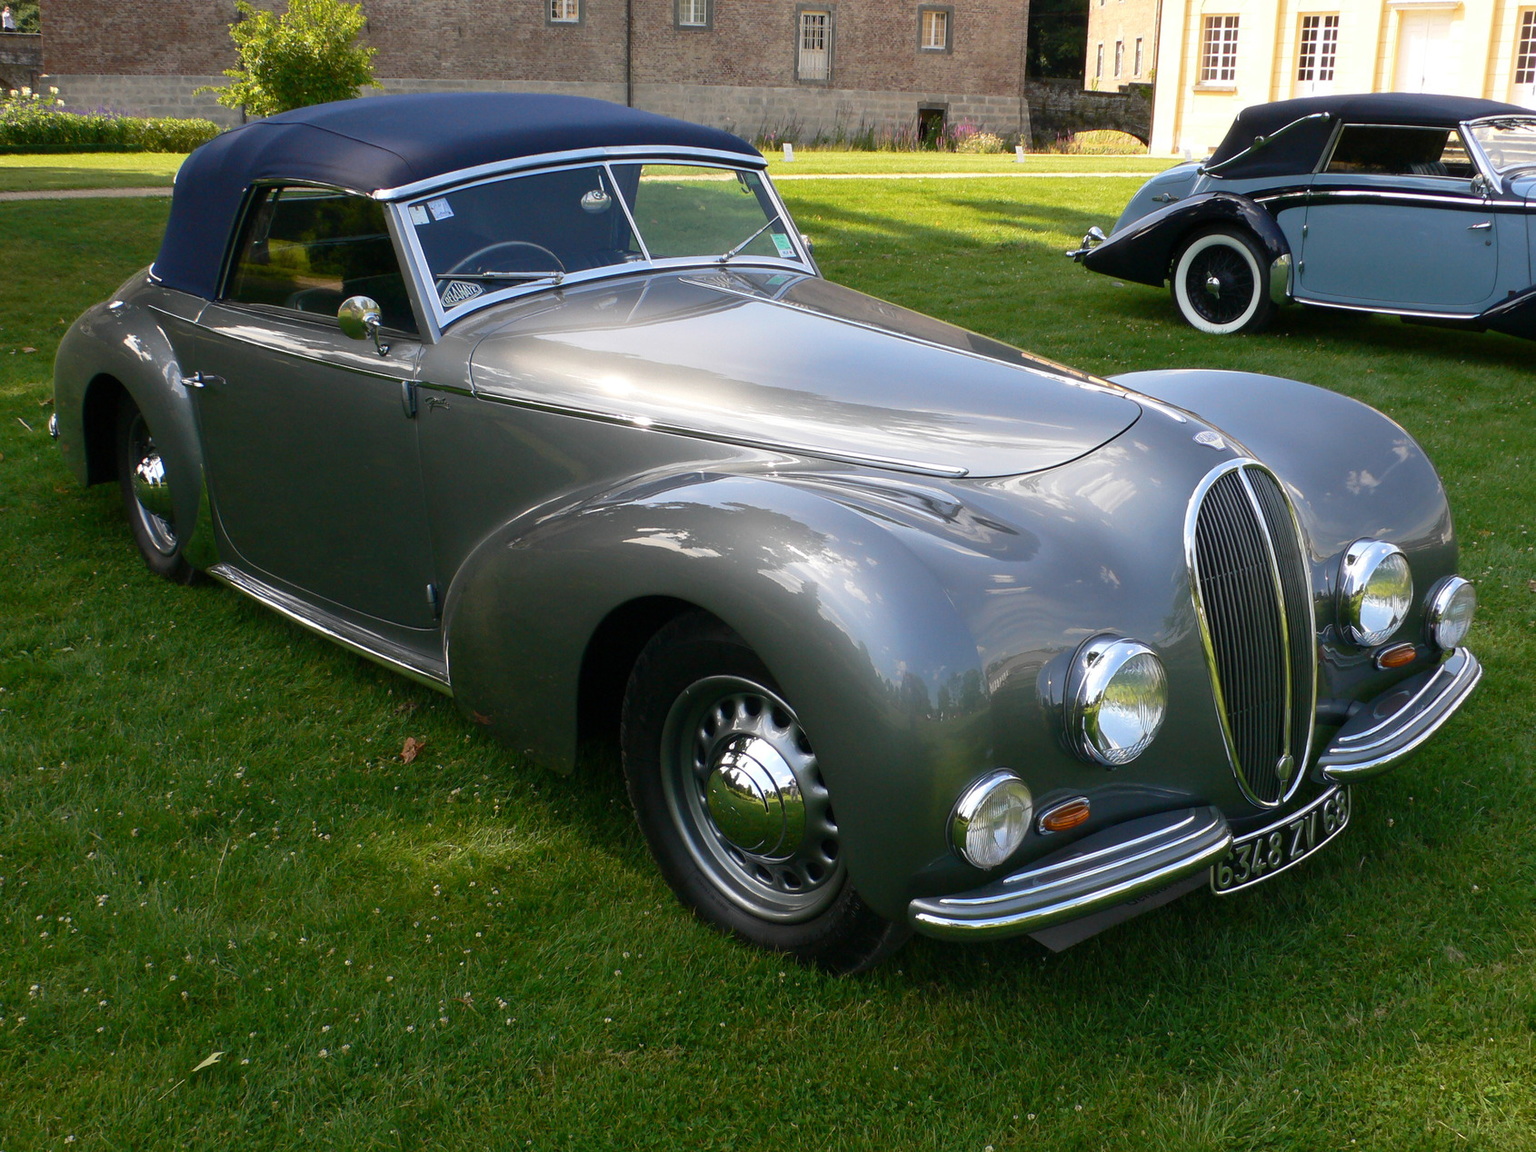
(408, 399)
(200, 380)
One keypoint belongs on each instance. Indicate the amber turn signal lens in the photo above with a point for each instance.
(1064, 816)
(1396, 656)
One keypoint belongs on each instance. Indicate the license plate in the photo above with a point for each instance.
(1260, 855)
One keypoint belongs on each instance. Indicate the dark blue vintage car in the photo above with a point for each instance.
(1414, 205)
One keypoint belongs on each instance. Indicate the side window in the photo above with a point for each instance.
(1380, 150)
(308, 249)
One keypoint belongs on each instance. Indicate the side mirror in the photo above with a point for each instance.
(360, 318)
(1479, 186)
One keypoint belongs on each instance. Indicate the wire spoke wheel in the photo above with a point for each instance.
(1219, 284)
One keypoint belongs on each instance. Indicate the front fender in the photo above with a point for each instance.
(124, 343)
(1143, 251)
(858, 632)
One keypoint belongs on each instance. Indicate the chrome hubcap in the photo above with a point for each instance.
(151, 489)
(1213, 287)
(745, 793)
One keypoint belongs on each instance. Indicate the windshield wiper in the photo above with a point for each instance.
(556, 276)
(767, 224)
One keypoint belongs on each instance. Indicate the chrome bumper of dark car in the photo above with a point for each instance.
(1100, 871)
(1399, 721)
(1128, 861)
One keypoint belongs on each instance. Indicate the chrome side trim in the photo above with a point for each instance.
(395, 657)
(1385, 310)
(559, 159)
(1369, 745)
(1100, 871)
(1280, 280)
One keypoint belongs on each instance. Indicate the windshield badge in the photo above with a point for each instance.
(1210, 439)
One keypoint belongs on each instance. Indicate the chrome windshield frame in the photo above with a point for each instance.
(439, 319)
(1484, 164)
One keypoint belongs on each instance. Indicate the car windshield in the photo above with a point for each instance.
(1508, 142)
(547, 226)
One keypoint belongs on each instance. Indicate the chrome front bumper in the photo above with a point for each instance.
(1129, 861)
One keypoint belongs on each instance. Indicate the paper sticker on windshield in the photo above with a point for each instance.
(458, 291)
(440, 209)
(418, 214)
(781, 242)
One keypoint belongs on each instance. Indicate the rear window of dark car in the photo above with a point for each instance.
(1391, 150)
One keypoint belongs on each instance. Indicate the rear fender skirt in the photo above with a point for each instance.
(1144, 251)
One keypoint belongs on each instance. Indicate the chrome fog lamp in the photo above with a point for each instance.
(1375, 591)
(1448, 616)
(991, 818)
(1116, 700)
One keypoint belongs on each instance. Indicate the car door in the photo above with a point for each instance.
(1398, 219)
(310, 436)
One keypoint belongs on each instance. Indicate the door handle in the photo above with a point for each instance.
(200, 380)
(1482, 227)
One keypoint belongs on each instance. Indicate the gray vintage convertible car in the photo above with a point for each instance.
(1414, 205)
(542, 402)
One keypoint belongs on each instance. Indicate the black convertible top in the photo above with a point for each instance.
(1299, 149)
(385, 142)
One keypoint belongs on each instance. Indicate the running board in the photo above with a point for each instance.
(395, 657)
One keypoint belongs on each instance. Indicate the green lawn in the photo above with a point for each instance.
(209, 843)
(28, 173)
(815, 163)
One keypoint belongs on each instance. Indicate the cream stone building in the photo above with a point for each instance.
(1122, 43)
(1215, 57)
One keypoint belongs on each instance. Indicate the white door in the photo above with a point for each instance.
(1317, 47)
(1423, 50)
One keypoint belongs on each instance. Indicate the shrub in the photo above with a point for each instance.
(980, 142)
(308, 55)
(1100, 142)
(34, 122)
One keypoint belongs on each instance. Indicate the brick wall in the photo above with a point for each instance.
(740, 73)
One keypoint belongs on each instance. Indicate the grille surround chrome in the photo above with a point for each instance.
(1286, 660)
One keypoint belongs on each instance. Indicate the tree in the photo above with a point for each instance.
(25, 12)
(1058, 37)
(308, 55)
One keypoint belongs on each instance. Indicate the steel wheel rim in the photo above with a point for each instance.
(1234, 284)
(147, 476)
(712, 721)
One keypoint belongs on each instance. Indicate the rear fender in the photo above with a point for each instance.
(856, 630)
(1143, 251)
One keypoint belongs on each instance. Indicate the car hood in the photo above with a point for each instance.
(793, 363)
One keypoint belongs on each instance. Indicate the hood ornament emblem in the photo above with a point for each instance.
(1210, 439)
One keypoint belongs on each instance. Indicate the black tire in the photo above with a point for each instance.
(706, 737)
(146, 494)
(1220, 283)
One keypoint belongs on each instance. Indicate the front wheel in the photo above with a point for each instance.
(1219, 283)
(728, 792)
(146, 494)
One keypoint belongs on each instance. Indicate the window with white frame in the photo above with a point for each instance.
(1525, 56)
(693, 13)
(933, 29)
(1317, 50)
(814, 58)
(1098, 64)
(1138, 57)
(564, 11)
(1218, 50)
(1119, 58)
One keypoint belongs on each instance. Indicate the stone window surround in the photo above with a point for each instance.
(709, 17)
(948, 11)
(550, 19)
(831, 11)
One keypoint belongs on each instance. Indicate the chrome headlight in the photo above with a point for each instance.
(1117, 696)
(1375, 591)
(991, 818)
(1448, 616)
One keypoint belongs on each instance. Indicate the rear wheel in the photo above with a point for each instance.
(146, 494)
(1219, 283)
(728, 792)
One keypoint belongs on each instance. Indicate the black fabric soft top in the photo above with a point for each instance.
(1298, 150)
(385, 142)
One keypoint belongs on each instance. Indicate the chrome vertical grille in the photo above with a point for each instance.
(1255, 607)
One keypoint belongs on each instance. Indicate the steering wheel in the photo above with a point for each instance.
(475, 261)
